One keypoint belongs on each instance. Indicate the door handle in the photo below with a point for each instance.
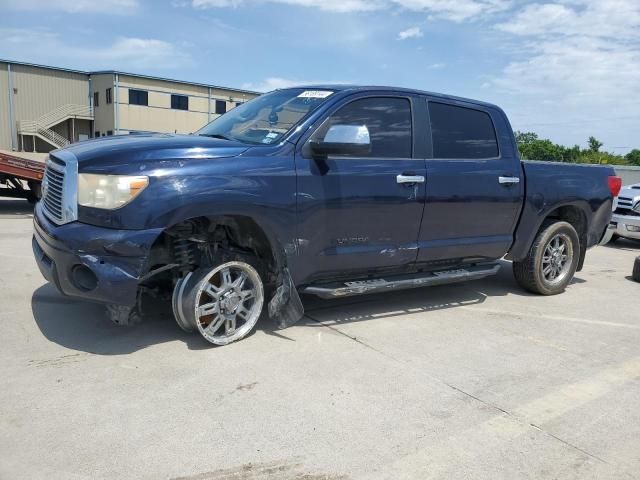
(508, 180)
(410, 179)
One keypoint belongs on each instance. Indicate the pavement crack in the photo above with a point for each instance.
(478, 399)
(567, 443)
(517, 419)
(355, 339)
(493, 406)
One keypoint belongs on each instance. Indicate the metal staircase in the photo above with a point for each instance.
(42, 127)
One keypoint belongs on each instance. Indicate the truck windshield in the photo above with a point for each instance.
(267, 118)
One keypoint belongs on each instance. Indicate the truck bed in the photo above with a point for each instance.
(16, 170)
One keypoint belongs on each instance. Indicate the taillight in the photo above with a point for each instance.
(615, 184)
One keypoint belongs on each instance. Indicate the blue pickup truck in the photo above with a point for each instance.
(325, 190)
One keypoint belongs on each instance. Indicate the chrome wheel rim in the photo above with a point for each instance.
(556, 259)
(228, 302)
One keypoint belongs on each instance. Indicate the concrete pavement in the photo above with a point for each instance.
(479, 380)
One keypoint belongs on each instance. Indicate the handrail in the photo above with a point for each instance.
(30, 127)
(42, 126)
(63, 112)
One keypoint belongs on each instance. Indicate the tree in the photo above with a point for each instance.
(594, 145)
(525, 138)
(532, 147)
(633, 157)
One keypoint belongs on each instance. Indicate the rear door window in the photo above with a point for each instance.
(463, 133)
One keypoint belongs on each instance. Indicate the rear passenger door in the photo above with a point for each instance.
(474, 189)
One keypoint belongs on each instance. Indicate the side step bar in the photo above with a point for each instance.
(401, 282)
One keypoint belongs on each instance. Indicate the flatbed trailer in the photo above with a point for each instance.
(20, 177)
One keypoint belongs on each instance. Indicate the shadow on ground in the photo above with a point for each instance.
(84, 326)
(10, 208)
(624, 244)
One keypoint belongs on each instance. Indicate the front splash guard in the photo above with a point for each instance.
(285, 308)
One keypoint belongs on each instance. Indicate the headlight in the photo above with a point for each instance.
(109, 191)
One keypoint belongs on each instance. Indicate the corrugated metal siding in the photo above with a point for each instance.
(104, 114)
(158, 115)
(5, 128)
(40, 90)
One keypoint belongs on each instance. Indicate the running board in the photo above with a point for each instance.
(401, 282)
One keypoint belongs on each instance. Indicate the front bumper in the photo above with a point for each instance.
(626, 226)
(94, 263)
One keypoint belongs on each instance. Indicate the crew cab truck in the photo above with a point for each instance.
(326, 190)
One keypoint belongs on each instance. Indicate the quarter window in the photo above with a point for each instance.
(387, 119)
(460, 132)
(179, 102)
(138, 97)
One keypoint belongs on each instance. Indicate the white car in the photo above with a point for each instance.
(625, 221)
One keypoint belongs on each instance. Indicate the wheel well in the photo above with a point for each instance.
(573, 215)
(206, 240)
(577, 218)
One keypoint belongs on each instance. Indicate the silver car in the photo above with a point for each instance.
(625, 221)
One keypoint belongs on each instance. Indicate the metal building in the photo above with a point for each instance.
(43, 108)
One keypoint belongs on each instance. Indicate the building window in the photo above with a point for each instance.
(97, 134)
(96, 99)
(221, 107)
(179, 102)
(109, 132)
(138, 97)
(108, 96)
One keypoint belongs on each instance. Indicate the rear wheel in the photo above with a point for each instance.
(552, 259)
(222, 303)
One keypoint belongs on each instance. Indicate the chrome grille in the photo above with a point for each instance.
(53, 190)
(625, 202)
(60, 187)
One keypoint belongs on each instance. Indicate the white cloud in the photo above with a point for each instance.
(413, 32)
(577, 69)
(124, 53)
(273, 83)
(457, 11)
(602, 18)
(117, 7)
(327, 5)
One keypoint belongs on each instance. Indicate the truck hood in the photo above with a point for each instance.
(631, 191)
(121, 150)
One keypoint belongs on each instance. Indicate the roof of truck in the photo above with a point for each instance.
(361, 88)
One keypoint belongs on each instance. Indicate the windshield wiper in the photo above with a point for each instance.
(217, 135)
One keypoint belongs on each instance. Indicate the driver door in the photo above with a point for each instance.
(360, 212)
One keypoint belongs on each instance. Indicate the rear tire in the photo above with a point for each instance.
(636, 270)
(551, 261)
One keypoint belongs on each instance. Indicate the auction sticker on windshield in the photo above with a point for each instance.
(315, 94)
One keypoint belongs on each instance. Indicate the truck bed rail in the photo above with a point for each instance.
(14, 171)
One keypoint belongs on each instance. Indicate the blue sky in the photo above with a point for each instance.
(565, 69)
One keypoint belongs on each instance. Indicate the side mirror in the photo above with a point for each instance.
(343, 140)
